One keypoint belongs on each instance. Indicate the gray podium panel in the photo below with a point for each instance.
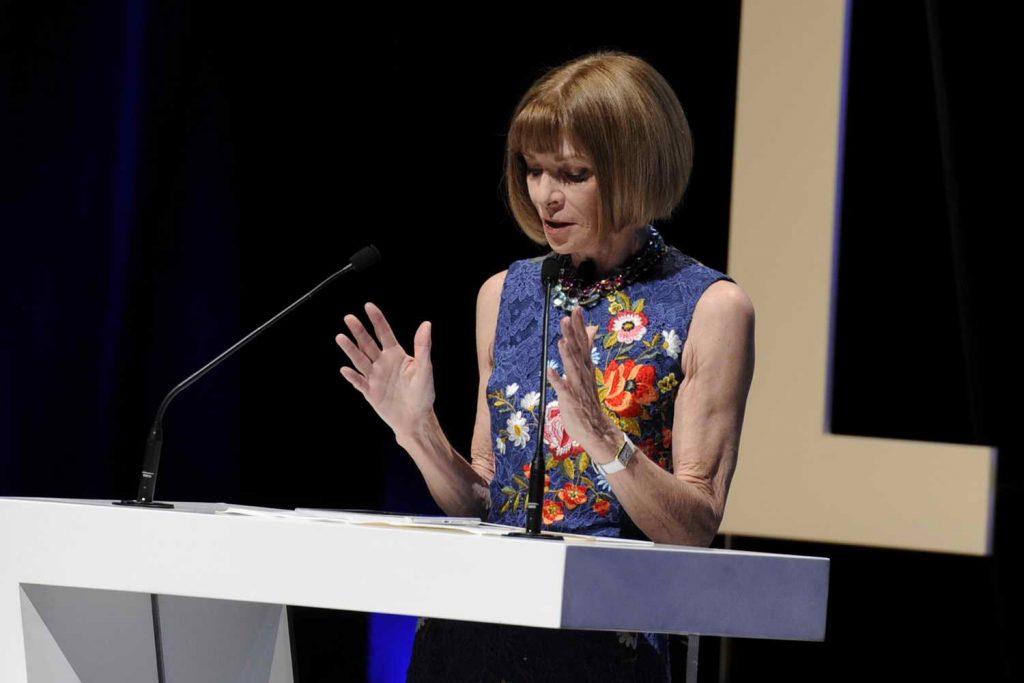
(223, 641)
(81, 635)
(74, 635)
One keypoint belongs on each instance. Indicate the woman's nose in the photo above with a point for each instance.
(551, 194)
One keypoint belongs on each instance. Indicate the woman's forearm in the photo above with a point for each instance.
(666, 508)
(456, 487)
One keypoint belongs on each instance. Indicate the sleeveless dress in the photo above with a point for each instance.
(637, 366)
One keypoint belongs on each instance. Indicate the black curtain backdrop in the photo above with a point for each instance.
(173, 174)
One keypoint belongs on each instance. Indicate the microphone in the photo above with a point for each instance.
(549, 271)
(366, 257)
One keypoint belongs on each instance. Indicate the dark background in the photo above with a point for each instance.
(173, 174)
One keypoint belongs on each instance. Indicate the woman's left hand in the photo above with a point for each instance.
(582, 414)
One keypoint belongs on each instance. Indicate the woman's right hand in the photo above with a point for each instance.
(398, 386)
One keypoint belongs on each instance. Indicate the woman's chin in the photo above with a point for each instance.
(560, 241)
(559, 248)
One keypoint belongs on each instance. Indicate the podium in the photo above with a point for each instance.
(91, 591)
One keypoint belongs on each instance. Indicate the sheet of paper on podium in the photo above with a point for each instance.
(469, 525)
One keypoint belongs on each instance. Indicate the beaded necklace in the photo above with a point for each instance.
(570, 291)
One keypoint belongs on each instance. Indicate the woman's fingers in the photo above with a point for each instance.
(570, 364)
(381, 326)
(366, 343)
(571, 347)
(556, 382)
(355, 379)
(567, 334)
(359, 359)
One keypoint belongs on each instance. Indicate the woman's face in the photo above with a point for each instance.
(563, 189)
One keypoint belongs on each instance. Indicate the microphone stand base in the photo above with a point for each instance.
(543, 537)
(142, 504)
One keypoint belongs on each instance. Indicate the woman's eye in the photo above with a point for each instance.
(572, 178)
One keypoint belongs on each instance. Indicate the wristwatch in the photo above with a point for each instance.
(622, 459)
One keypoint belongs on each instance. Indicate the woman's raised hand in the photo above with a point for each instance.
(398, 386)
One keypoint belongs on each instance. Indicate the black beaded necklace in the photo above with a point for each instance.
(571, 291)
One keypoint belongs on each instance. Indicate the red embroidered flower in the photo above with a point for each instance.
(552, 511)
(602, 506)
(630, 386)
(666, 437)
(629, 326)
(547, 477)
(573, 495)
(558, 440)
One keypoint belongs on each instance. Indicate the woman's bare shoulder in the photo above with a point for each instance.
(491, 288)
(724, 297)
(487, 304)
(723, 319)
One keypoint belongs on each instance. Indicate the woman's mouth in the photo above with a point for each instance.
(555, 225)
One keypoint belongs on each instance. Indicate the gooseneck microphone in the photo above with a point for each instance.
(364, 258)
(534, 504)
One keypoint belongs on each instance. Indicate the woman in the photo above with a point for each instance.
(652, 359)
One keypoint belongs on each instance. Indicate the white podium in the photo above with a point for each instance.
(91, 591)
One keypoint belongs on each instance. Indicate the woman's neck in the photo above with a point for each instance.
(613, 253)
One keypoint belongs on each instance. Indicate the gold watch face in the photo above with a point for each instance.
(627, 453)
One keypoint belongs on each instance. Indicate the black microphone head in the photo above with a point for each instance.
(366, 257)
(550, 269)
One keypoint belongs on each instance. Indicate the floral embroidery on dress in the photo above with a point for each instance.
(636, 357)
(626, 387)
(672, 343)
(517, 429)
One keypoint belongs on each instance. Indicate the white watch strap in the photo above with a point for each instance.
(620, 462)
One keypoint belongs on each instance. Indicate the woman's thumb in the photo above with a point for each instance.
(422, 343)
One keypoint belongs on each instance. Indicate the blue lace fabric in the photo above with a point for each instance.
(637, 355)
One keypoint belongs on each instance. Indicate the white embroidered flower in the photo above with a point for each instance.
(511, 389)
(595, 357)
(530, 401)
(672, 344)
(627, 638)
(518, 432)
(553, 364)
(601, 482)
(499, 444)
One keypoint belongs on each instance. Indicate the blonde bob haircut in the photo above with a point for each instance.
(622, 114)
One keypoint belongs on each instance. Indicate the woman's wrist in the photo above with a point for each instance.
(608, 445)
(418, 432)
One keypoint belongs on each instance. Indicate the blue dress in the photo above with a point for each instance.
(637, 366)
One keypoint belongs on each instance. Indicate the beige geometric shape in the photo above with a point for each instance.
(794, 479)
